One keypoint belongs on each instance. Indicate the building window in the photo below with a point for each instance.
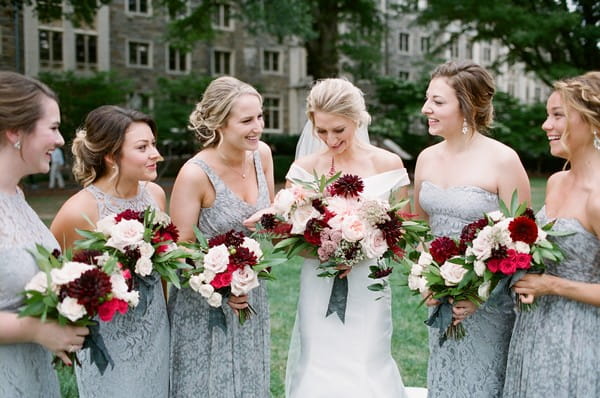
(511, 90)
(139, 7)
(403, 75)
(222, 62)
(454, 50)
(272, 113)
(139, 54)
(403, 42)
(487, 54)
(469, 50)
(140, 101)
(178, 61)
(271, 62)
(51, 48)
(537, 96)
(86, 51)
(425, 44)
(222, 18)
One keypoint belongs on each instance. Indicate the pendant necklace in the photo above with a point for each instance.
(332, 168)
(243, 173)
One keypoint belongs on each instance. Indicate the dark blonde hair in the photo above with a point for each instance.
(582, 94)
(103, 133)
(475, 89)
(339, 97)
(213, 110)
(20, 102)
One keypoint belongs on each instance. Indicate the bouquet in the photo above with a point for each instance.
(143, 242)
(228, 264)
(331, 219)
(508, 243)
(74, 291)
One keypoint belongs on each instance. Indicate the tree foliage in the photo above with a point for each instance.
(77, 11)
(552, 38)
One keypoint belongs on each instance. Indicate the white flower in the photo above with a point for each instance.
(143, 266)
(417, 283)
(39, 282)
(216, 259)
(541, 236)
(253, 246)
(416, 270)
(283, 202)
(521, 247)
(300, 217)
(106, 224)
(495, 216)
(374, 244)
(199, 286)
(162, 218)
(501, 233)
(425, 259)
(452, 273)
(353, 229)
(102, 259)
(479, 267)
(484, 290)
(121, 290)
(208, 275)
(482, 244)
(146, 249)
(69, 272)
(126, 233)
(243, 280)
(71, 309)
(215, 299)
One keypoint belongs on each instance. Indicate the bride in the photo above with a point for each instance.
(328, 357)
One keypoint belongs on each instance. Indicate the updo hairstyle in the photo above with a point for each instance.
(339, 97)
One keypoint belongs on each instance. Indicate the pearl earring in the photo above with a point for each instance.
(465, 128)
(17, 145)
(596, 140)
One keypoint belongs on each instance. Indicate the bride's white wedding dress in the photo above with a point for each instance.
(328, 358)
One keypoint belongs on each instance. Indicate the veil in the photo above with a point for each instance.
(309, 143)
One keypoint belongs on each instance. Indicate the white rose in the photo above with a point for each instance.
(71, 309)
(283, 202)
(353, 229)
(253, 246)
(196, 282)
(416, 270)
(495, 216)
(106, 224)
(479, 267)
(215, 299)
(143, 266)
(126, 233)
(521, 247)
(482, 244)
(243, 280)
(300, 217)
(208, 275)
(39, 282)
(484, 290)
(121, 290)
(541, 235)
(417, 283)
(425, 259)
(452, 273)
(501, 233)
(146, 249)
(216, 259)
(69, 272)
(374, 244)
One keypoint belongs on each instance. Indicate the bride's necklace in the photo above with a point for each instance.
(242, 173)
(332, 168)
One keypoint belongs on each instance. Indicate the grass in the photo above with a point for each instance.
(409, 340)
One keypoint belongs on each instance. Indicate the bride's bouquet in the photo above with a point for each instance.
(228, 264)
(75, 290)
(143, 242)
(332, 219)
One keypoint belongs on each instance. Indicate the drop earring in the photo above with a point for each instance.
(596, 140)
(465, 128)
(17, 145)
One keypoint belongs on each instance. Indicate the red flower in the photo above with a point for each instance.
(242, 257)
(398, 251)
(392, 229)
(222, 279)
(507, 266)
(86, 256)
(108, 309)
(523, 229)
(312, 233)
(162, 249)
(231, 238)
(522, 260)
(348, 185)
(442, 249)
(130, 215)
(282, 228)
(168, 233)
(381, 273)
(493, 264)
(88, 289)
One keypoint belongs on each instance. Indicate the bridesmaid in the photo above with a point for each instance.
(115, 160)
(29, 121)
(227, 181)
(555, 348)
(456, 181)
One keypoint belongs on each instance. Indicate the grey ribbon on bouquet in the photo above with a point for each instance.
(441, 318)
(145, 285)
(338, 298)
(98, 353)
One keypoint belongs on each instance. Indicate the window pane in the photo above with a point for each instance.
(56, 46)
(92, 50)
(44, 45)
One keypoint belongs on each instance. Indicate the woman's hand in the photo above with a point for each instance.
(534, 285)
(61, 340)
(251, 221)
(461, 310)
(345, 270)
(429, 300)
(238, 303)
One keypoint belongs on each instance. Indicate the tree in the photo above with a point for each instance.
(552, 38)
(78, 11)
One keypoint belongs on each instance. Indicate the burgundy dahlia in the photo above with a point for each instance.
(167, 233)
(442, 249)
(529, 213)
(523, 229)
(130, 215)
(348, 185)
(242, 257)
(86, 256)
(268, 221)
(381, 273)
(392, 229)
(469, 232)
(88, 289)
(312, 233)
(231, 238)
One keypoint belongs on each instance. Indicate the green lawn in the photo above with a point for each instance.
(409, 341)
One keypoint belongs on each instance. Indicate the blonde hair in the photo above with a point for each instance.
(475, 89)
(339, 97)
(103, 133)
(213, 110)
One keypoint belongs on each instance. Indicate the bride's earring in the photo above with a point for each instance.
(465, 128)
(596, 140)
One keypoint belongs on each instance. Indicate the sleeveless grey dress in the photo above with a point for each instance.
(555, 348)
(138, 344)
(473, 367)
(207, 361)
(25, 368)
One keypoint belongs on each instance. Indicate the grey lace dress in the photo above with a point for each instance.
(473, 367)
(207, 361)
(138, 343)
(555, 347)
(25, 368)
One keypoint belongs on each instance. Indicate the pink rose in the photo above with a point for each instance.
(353, 229)
(108, 309)
(374, 244)
(243, 280)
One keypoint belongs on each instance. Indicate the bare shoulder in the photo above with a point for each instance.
(79, 206)
(502, 153)
(308, 162)
(158, 193)
(593, 210)
(431, 152)
(385, 160)
(264, 149)
(191, 173)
